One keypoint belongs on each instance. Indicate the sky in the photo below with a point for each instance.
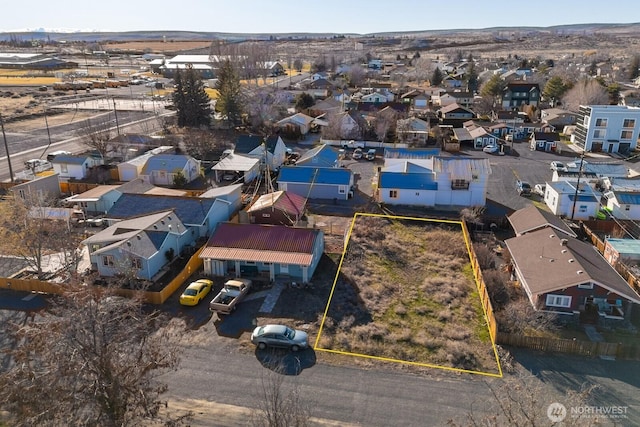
(324, 16)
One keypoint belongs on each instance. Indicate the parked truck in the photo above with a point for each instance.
(352, 144)
(232, 293)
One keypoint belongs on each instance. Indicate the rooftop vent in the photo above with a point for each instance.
(564, 242)
(579, 272)
(571, 260)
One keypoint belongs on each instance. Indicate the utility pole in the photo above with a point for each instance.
(115, 113)
(575, 196)
(6, 147)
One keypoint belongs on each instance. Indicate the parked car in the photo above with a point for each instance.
(357, 154)
(539, 189)
(37, 165)
(523, 188)
(195, 292)
(371, 154)
(491, 148)
(279, 336)
(53, 154)
(558, 166)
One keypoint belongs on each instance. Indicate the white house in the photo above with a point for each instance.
(162, 169)
(375, 97)
(607, 128)
(74, 167)
(563, 200)
(434, 181)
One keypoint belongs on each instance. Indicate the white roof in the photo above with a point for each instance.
(236, 162)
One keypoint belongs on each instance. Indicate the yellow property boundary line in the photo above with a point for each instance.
(386, 359)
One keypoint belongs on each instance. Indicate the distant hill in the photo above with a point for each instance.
(630, 28)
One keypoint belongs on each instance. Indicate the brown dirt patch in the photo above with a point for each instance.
(157, 46)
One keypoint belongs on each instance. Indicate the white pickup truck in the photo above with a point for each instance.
(352, 144)
(232, 293)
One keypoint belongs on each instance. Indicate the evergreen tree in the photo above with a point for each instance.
(554, 89)
(437, 77)
(472, 78)
(190, 99)
(304, 101)
(493, 87)
(593, 68)
(634, 67)
(230, 102)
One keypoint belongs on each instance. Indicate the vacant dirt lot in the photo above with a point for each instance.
(406, 292)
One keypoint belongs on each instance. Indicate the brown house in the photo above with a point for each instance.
(277, 208)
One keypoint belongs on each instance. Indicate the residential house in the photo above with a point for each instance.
(75, 167)
(327, 106)
(557, 117)
(145, 244)
(164, 169)
(412, 131)
(321, 156)
(230, 194)
(133, 168)
(544, 141)
(277, 208)
(271, 151)
(301, 123)
(410, 153)
(591, 170)
(261, 250)
(196, 213)
(474, 134)
(622, 204)
(347, 125)
(517, 94)
(455, 115)
(375, 97)
(567, 276)
(623, 250)
(464, 99)
(607, 128)
(128, 146)
(320, 75)
(204, 65)
(43, 188)
(532, 218)
(563, 200)
(452, 81)
(317, 182)
(434, 182)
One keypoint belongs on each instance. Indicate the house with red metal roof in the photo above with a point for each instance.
(261, 250)
(278, 208)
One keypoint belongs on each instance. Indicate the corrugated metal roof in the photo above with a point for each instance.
(628, 198)
(236, 162)
(302, 174)
(71, 160)
(281, 200)
(462, 168)
(625, 246)
(321, 156)
(190, 210)
(168, 162)
(263, 243)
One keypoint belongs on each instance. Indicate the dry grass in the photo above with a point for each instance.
(408, 294)
(157, 45)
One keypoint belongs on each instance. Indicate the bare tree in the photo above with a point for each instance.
(585, 92)
(92, 359)
(280, 406)
(34, 234)
(356, 75)
(524, 400)
(96, 135)
(385, 123)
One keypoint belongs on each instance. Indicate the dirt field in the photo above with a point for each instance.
(406, 292)
(157, 46)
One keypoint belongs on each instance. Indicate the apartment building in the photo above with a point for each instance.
(607, 128)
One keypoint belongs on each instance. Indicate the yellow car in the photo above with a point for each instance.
(196, 292)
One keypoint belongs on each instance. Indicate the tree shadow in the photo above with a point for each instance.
(286, 362)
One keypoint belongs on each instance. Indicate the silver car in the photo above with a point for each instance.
(279, 336)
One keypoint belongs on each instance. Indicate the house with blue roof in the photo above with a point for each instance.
(445, 183)
(162, 169)
(563, 200)
(75, 167)
(322, 156)
(623, 204)
(142, 244)
(317, 182)
(200, 214)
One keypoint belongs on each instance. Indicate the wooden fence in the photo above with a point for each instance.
(552, 345)
(41, 286)
(482, 287)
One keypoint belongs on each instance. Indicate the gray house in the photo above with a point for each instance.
(261, 250)
(317, 183)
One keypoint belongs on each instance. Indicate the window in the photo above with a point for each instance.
(629, 123)
(558, 301)
(250, 262)
(107, 261)
(627, 207)
(459, 184)
(342, 189)
(599, 133)
(136, 263)
(626, 134)
(585, 286)
(266, 215)
(583, 208)
(393, 194)
(601, 123)
(64, 168)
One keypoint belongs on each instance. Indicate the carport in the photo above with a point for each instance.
(248, 167)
